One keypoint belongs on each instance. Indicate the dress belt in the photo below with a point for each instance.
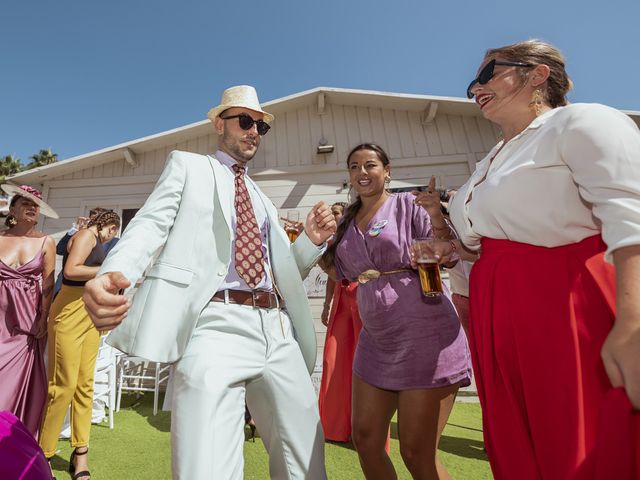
(369, 275)
(255, 298)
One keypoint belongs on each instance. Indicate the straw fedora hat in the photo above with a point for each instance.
(32, 194)
(239, 96)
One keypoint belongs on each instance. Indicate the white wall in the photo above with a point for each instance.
(287, 167)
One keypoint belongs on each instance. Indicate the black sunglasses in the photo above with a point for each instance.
(246, 122)
(486, 73)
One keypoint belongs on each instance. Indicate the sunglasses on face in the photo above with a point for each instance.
(486, 73)
(246, 122)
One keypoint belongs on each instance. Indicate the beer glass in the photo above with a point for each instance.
(291, 225)
(428, 268)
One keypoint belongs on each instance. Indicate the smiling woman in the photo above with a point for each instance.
(27, 259)
(549, 208)
(412, 353)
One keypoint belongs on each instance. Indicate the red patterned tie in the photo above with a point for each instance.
(249, 262)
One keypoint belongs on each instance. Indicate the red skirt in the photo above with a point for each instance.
(538, 319)
(337, 363)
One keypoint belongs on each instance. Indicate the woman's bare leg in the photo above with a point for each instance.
(371, 415)
(422, 416)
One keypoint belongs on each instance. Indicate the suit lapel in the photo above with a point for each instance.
(222, 189)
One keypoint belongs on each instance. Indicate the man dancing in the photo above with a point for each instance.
(225, 301)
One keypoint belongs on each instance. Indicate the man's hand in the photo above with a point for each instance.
(81, 222)
(320, 223)
(105, 306)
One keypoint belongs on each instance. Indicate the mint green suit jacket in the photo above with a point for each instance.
(187, 219)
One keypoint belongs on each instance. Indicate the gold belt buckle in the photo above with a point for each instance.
(368, 275)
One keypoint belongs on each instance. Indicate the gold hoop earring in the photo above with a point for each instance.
(387, 179)
(537, 101)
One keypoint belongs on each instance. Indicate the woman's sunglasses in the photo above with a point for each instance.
(246, 122)
(486, 73)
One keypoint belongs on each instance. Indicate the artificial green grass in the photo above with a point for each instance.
(138, 448)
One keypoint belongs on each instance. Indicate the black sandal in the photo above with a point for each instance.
(84, 473)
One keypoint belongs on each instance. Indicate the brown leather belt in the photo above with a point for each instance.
(255, 298)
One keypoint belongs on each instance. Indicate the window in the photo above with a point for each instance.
(127, 216)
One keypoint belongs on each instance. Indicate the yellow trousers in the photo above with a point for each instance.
(73, 348)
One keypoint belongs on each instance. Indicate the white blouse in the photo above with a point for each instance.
(572, 173)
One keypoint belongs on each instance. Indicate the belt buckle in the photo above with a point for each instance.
(368, 275)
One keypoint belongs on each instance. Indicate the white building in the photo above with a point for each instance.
(423, 135)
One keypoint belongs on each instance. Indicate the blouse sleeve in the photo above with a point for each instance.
(601, 147)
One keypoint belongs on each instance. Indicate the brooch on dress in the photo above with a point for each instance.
(377, 227)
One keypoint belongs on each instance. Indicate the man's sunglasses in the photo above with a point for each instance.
(486, 73)
(246, 122)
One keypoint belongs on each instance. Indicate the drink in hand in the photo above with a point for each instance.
(292, 232)
(428, 268)
(430, 280)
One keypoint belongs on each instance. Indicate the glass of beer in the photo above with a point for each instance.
(291, 225)
(428, 268)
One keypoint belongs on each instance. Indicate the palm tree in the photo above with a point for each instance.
(9, 165)
(42, 158)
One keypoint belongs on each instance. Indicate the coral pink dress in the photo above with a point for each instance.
(337, 363)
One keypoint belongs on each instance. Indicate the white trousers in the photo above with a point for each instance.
(240, 353)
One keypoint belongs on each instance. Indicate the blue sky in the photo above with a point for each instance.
(78, 76)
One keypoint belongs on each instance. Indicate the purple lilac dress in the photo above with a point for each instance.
(407, 341)
(23, 377)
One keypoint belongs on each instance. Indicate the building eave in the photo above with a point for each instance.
(429, 105)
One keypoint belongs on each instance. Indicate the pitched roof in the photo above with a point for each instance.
(319, 95)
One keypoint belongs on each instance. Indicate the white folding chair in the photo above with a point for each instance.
(105, 378)
(137, 374)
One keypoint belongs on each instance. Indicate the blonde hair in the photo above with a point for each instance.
(538, 52)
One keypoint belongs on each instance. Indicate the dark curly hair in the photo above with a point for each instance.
(105, 218)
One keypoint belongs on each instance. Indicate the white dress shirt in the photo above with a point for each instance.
(572, 173)
(233, 281)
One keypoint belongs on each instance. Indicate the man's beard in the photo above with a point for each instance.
(233, 148)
